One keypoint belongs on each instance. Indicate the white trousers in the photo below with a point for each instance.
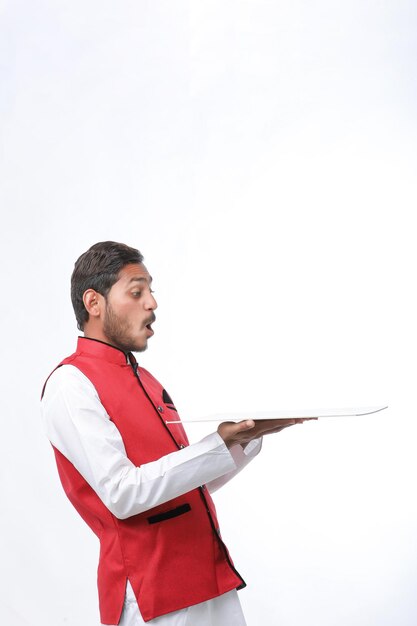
(225, 610)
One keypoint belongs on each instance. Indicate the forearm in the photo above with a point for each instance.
(129, 490)
(79, 428)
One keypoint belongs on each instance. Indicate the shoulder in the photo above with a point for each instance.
(70, 396)
(67, 377)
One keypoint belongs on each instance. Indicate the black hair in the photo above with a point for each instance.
(99, 269)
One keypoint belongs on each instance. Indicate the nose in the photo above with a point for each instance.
(151, 303)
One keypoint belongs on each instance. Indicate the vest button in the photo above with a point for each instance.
(160, 409)
(182, 446)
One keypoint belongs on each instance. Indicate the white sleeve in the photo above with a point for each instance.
(79, 427)
(241, 457)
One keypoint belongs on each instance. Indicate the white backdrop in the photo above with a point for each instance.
(262, 156)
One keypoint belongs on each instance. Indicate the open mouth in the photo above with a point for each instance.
(148, 326)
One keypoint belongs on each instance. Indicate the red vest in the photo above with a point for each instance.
(172, 554)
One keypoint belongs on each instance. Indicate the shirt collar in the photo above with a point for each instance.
(102, 350)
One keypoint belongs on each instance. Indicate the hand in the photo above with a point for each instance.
(233, 433)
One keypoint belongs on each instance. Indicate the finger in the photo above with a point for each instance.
(273, 424)
(245, 425)
(301, 420)
(278, 429)
(231, 429)
(232, 432)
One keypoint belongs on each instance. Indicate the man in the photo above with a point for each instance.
(134, 478)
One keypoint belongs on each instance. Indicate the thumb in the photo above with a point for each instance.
(245, 425)
(229, 431)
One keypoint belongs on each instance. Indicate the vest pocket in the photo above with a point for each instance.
(179, 510)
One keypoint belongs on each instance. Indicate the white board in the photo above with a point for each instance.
(282, 414)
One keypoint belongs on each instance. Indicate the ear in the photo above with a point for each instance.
(93, 302)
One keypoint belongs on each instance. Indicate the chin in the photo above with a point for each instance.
(140, 348)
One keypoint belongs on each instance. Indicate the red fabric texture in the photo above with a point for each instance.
(173, 563)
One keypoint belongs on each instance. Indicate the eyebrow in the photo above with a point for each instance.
(139, 279)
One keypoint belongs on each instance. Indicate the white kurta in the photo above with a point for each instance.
(79, 427)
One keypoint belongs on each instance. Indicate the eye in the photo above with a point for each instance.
(136, 294)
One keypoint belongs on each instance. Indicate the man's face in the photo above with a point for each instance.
(129, 310)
